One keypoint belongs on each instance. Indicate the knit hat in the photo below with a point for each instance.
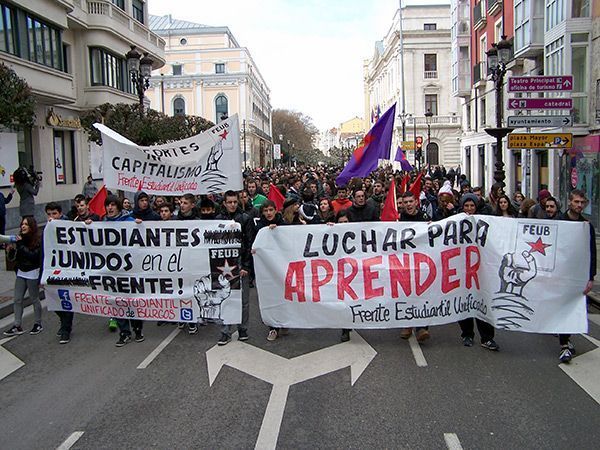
(468, 197)
(446, 189)
(544, 193)
(289, 202)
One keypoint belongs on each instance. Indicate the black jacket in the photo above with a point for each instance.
(365, 213)
(420, 216)
(27, 259)
(565, 216)
(248, 234)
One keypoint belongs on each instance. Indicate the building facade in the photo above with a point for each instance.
(351, 132)
(71, 53)
(409, 67)
(549, 37)
(209, 74)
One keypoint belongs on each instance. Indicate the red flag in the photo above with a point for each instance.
(404, 185)
(416, 187)
(96, 204)
(389, 213)
(276, 196)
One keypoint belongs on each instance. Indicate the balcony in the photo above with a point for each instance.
(461, 78)
(430, 75)
(494, 6)
(103, 15)
(449, 121)
(479, 18)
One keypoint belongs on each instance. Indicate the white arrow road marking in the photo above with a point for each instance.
(452, 441)
(70, 442)
(416, 351)
(152, 356)
(282, 373)
(8, 362)
(584, 370)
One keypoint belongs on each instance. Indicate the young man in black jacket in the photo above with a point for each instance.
(232, 211)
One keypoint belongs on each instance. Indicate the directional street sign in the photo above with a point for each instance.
(539, 121)
(540, 103)
(408, 145)
(540, 83)
(540, 140)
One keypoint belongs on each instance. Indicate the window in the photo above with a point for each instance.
(221, 108)
(580, 8)
(220, 68)
(555, 13)
(554, 57)
(109, 70)
(579, 69)
(137, 7)
(7, 31)
(483, 113)
(43, 43)
(179, 107)
(431, 103)
(430, 27)
(64, 157)
(468, 114)
(177, 69)
(498, 30)
(430, 63)
(119, 3)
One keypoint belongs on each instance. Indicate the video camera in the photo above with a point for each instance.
(27, 175)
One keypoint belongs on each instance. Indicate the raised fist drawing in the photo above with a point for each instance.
(513, 277)
(210, 300)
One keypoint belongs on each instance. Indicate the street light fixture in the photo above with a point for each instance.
(428, 116)
(497, 58)
(140, 71)
(403, 116)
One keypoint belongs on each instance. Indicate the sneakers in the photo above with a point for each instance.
(139, 337)
(345, 336)
(123, 339)
(242, 335)
(37, 328)
(467, 341)
(565, 355)
(571, 348)
(181, 325)
(112, 325)
(272, 335)
(406, 333)
(65, 338)
(193, 328)
(490, 345)
(224, 339)
(14, 331)
(423, 335)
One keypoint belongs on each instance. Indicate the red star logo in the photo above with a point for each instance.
(538, 246)
(224, 134)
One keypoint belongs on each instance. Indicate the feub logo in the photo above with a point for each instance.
(539, 240)
(186, 314)
(65, 299)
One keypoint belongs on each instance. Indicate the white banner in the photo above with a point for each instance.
(277, 151)
(172, 271)
(9, 158)
(517, 274)
(207, 163)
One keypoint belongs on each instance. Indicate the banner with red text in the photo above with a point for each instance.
(517, 274)
(172, 271)
(207, 163)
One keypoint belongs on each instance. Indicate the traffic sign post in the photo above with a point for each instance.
(540, 103)
(539, 121)
(551, 83)
(540, 140)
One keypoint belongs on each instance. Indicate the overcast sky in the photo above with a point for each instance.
(310, 52)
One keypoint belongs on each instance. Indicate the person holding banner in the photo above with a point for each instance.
(142, 209)
(468, 205)
(115, 213)
(28, 262)
(577, 202)
(233, 212)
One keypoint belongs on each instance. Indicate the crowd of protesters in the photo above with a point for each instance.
(309, 196)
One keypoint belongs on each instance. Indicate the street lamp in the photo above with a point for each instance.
(428, 116)
(140, 70)
(403, 116)
(497, 58)
(244, 131)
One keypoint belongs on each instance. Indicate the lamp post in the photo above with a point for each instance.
(244, 135)
(140, 70)
(428, 116)
(403, 116)
(497, 58)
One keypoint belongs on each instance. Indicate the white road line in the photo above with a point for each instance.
(584, 368)
(8, 362)
(417, 352)
(452, 441)
(70, 442)
(166, 341)
(269, 430)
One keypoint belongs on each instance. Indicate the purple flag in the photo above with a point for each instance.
(374, 146)
(401, 157)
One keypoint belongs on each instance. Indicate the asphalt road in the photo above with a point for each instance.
(517, 398)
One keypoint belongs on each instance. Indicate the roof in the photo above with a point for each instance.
(166, 23)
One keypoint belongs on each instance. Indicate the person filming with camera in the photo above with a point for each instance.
(27, 184)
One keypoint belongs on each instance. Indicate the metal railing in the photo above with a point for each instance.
(435, 120)
(430, 74)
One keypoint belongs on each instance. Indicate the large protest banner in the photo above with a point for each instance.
(207, 163)
(517, 274)
(171, 271)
